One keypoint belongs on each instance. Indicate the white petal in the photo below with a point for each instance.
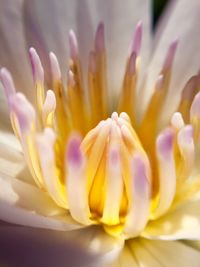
(11, 157)
(125, 259)
(25, 204)
(182, 222)
(12, 161)
(153, 253)
(13, 54)
(16, 215)
(182, 23)
(48, 23)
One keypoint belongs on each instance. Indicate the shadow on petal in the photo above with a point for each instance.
(24, 246)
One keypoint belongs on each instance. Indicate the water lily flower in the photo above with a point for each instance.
(106, 118)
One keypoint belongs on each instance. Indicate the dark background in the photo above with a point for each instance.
(158, 6)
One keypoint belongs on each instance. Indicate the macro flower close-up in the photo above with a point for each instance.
(99, 133)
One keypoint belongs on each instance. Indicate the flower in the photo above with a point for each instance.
(123, 171)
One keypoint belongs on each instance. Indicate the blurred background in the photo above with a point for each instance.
(158, 7)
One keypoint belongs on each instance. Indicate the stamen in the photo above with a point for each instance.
(55, 68)
(75, 66)
(73, 46)
(195, 117)
(24, 112)
(97, 76)
(167, 171)
(38, 75)
(177, 121)
(61, 110)
(127, 98)
(128, 93)
(150, 121)
(187, 151)
(23, 119)
(188, 93)
(140, 192)
(71, 79)
(49, 109)
(137, 39)
(124, 116)
(95, 100)
(45, 145)
(170, 56)
(75, 92)
(38, 71)
(75, 104)
(7, 83)
(114, 181)
(89, 139)
(76, 181)
(153, 112)
(94, 155)
(99, 39)
(115, 116)
(10, 92)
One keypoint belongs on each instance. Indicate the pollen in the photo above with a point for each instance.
(101, 163)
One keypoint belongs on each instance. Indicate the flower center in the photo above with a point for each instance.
(111, 148)
(118, 172)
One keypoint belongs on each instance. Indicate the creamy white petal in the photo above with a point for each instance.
(12, 161)
(182, 23)
(48, 23)
(17, 215)
(153, 253)
(182, 222)
(26, 196)
(11, 157)
(13, 50)
(25, 204)
(125, 259)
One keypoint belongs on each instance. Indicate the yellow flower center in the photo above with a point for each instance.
(105, 169)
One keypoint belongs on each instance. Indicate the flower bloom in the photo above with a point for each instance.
(103, 163)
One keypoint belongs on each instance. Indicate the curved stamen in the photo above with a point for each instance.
(76, 181)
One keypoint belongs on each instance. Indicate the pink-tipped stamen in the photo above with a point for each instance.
(100, 39)
(92, 62)
(73, 45)
(37, 69)
(55, 68)
(71, 79)
(131, 68)
(195, 107)
(167, 170)
(170, 55)
(140, 196)
(137, 39)
(8, 84)
(76, 183)
(177, 121)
